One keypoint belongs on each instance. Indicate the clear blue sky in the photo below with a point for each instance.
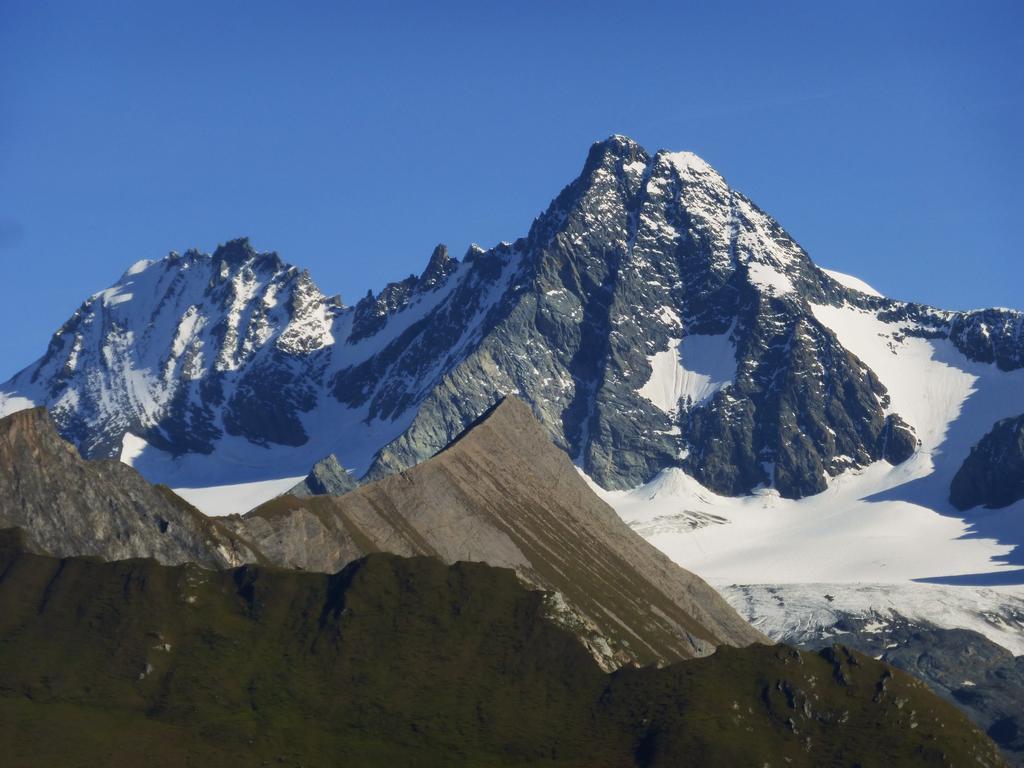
(353, 137)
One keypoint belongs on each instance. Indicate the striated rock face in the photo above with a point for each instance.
(502, 494)
(398, 661)
(993, 474)
(67, 506)
(653, 317)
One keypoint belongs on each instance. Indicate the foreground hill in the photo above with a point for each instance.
(501, 494)
(408, 662)
(504, 495)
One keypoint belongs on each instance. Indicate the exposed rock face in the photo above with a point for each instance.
(502, 494)
(68, 506)
(636, 261)
(327, 477)
(993, 473)
(653, 317)
(408, 662)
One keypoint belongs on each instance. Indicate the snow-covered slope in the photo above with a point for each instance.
(880, 523)
(851, 282)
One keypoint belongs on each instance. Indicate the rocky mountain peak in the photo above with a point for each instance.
(615, 150)
(653, 317)
(327, 478)
(440, 266)
(235, 251)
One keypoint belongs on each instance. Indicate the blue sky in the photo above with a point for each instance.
(351, 138)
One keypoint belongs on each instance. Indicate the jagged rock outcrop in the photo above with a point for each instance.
(993, 474)
(326, 478)
(67, 506)
(503, 494)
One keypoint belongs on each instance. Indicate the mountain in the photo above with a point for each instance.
(500, 494)
(399, 661)
(654, 318)
(68, 506)
(503, 494)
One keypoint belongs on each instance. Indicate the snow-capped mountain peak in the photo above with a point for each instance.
(654, 317)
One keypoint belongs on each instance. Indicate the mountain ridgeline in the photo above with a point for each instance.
(68, 506)
(500, 494)
(653, 317)
(503, 494)
(406, 661)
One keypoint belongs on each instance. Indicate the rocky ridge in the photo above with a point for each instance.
(993, 474)
(502, 494)
(68, 506)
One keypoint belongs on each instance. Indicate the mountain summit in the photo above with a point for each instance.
(653, 317)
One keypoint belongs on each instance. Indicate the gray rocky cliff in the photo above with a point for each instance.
(993, 474)
(67, 506)
(327, 477)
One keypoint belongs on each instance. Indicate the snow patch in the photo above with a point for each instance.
(668, 316)
(769, 279)
(139, 266)
(637, 166)
(12, 403)
(111, 297)
(236, 499)
(132, 447)
(688, 162)
(845, 534)
(849, 281)
(949, 400)
(691, 370)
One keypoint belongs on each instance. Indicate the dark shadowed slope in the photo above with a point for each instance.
(69, 506)
(504, 494)
(993, 473)
(408, 662)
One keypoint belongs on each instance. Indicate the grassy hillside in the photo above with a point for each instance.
(407, 662)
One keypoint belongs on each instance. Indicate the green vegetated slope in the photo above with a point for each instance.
(407, 662)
